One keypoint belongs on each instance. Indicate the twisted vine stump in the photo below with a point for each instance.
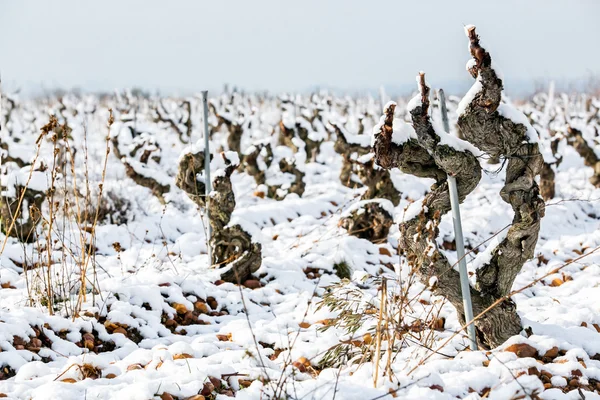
(235, 129)
(547, 185)
(286, 137)
(369, 219)
(181, 124)
(297, 185)
(312, 144)
(484, 122)
(487, 123)
(233, 249)
(377, 180)
(590, 158)
(257, 160)
(372, 218)
(350, 147)
(547, 172)
(141, 164)
(7, 157)
(24, 219)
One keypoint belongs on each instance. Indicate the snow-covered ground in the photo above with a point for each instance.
(160, 323)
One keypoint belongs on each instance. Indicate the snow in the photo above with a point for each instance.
(162, 261)
(402, 131)
(504, 109)
(143, 170)
(414, 103)
(413, 210)
(471, 64)
(195, 148)
(469, 28)
(458, 144)
(485, 256)
(385, 204)
(510, 112)
(34, 180)
(389, 104)
(453, 141)
(366, 158)
(468, 98)
(362, 140)
(228, 158)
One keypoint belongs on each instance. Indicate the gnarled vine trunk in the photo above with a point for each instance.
(251, 163)
(136, 165)
(24, 218)
(369, 220)
(427, 153)
(297, 186)
(350, 152)
(581, 146)
(232, 247)
(377, 180)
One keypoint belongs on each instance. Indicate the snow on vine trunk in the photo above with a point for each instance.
(234, 249)
(495, 128)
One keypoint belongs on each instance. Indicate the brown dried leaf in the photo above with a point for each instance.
(224, 338)
(522, 350)
(182, 356)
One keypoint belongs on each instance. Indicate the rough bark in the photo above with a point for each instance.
(138, 159)
(28, 217)
(232, 247)
(250, 162)
(581, 146)
(235, 130)
(264, 153)
(286, 136)
(482, 125)
(377, 180)
(370, 221)
(547, 186)
(409, 157)
(350, 153)
(547, 173)
(184, 133)
(425, 157)
(312, 147)
(190, 165)
(234, 139)
(297, 185)
(155, 187)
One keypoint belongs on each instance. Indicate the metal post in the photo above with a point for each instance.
(458, 235)
(207, 181)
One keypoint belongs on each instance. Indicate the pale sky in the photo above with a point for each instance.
(184, 46)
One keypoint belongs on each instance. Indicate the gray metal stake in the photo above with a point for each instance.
(207, 182)
(458, 234)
